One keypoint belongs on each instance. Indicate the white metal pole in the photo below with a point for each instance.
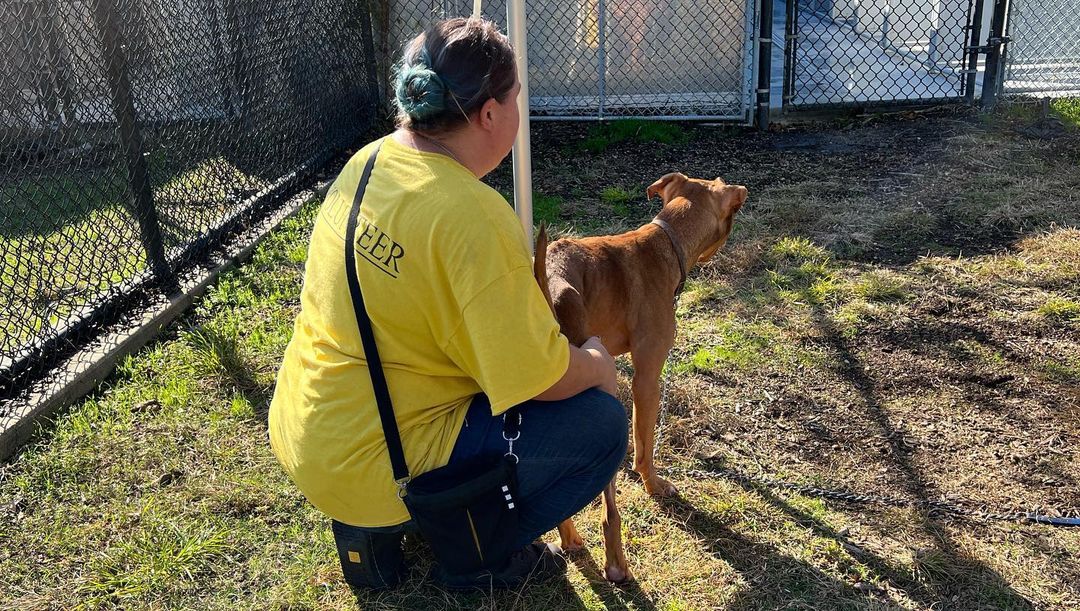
(515, 22)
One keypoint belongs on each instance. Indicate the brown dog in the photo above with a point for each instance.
(623, 288)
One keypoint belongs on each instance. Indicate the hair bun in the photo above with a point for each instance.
(420, 92)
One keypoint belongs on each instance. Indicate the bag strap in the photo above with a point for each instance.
(512, 417)
(367, 334)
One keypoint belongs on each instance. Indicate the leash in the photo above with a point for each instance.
(665, 379)
(933, 508)
(665, 383)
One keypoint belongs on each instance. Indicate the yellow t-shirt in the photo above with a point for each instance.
(446, 275)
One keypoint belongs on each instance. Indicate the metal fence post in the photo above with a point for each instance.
(994, 66)
(791, 41)
(601, 55)
(367, 36)
(517, 28)
(114, 56)
(974, 40)
(933, 54)
(60, 100)
(764, 84)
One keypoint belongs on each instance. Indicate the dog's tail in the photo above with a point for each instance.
(540, 264)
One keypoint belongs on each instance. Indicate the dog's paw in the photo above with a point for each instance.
(618, 575)
(658, 486)
(573, 544)
(569, 539)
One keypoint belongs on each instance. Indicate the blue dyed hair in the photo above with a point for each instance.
(420, 92)
(450, 71)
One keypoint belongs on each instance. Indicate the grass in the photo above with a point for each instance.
(735, 344)
(1068, 109)
(65, 240)
(602, 136)
(69, 237)
(161, 558)
(1061, 309)
(619, 198)
(868, 327)
(546, 208)
(1065, 370)
(881, 286)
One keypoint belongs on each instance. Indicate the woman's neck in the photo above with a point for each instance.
(457, 146)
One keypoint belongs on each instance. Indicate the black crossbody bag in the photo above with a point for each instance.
(467, 512)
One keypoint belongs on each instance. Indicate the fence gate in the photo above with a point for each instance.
(616, 58)
(848, 52)
(1043, 56)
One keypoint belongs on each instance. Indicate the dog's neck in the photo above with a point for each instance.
(680, 254)
(695, 225)
(691, 230)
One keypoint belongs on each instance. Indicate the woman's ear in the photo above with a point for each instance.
(488, 114)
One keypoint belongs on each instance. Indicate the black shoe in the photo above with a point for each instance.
(535, 562)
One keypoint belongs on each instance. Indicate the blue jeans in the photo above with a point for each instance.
(569, 450)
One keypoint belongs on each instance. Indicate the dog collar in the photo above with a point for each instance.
(678, 253)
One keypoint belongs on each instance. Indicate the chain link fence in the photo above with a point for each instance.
(844, 52)
(852, 53)
(1043, 57)
(614, 58)
(136, 135)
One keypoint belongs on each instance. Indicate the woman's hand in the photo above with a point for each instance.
(591, 366)
(607, 378)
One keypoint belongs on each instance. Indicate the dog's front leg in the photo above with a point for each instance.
(616, 568)
(648, 364)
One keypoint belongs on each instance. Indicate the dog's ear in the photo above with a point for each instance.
(660, 186)
(738, 197)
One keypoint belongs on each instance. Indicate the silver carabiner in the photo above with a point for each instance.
(518, 434)
(510, 440)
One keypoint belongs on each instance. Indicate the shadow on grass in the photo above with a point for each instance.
(954, 572)
(945, 572)
(774, 579)
(419, 592)
(608, 593)
(41, 204)
(196, 174)
(220, 354)
(965, 575)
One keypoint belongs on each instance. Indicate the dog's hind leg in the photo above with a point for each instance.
(569, 539)
(616, 568)
(649, 354)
